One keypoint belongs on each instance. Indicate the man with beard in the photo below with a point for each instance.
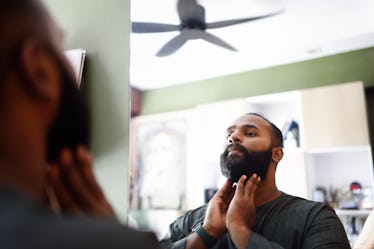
(254, 213)
(43, 119)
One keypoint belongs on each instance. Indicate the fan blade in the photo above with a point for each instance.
(149, 27)
(221, 24)
(217, 41)
(190, 10)
(191, 34)
(173, 45)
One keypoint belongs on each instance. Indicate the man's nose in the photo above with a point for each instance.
(234, 138)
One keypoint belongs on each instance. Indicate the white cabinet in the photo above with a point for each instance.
(334, 116)
(291, 174)
(329, 116)
(339, 167)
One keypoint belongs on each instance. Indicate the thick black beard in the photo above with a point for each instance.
(71, 126)
(251, 162)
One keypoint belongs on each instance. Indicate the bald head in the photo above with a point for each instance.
(277, 137)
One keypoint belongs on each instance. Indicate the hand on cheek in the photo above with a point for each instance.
(75, 187)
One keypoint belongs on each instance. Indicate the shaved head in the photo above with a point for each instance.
(277, 137)
(22, 21)
(19, 20)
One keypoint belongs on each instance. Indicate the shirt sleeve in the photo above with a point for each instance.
(181, 228)
(175, 238)
(257, 241)
(325, 231)
(169, 244)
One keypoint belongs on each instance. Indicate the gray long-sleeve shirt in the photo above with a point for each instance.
(287, 222)
(24, 223)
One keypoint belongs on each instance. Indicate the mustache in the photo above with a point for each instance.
(231, 147)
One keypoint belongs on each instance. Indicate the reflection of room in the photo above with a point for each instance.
(323, 104)
(332, 130)
(327, 125)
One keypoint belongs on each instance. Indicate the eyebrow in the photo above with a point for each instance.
(246, 126)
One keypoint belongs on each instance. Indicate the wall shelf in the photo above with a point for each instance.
(353, 212)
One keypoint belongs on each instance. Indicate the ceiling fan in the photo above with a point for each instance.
(192, 26)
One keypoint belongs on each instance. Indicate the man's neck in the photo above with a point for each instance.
(22, 168)
(266, 192)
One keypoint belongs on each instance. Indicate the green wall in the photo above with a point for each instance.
(345, 67)
(102, 28)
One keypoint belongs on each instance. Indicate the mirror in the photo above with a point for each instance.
(208, 104)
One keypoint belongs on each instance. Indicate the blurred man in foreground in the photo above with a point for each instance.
(44, 127)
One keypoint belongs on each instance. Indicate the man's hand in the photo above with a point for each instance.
(242, 211)
(215, 217)
(73, 187)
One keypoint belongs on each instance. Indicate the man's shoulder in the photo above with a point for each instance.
(299, 204)
(194, 216)
(198, 212)
(80, 232)
(27, 224)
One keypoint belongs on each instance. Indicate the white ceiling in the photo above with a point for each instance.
(305, 29)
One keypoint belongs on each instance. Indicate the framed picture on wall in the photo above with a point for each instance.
(159, 181)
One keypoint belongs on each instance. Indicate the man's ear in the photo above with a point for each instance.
(277, 154)
(39, 69)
